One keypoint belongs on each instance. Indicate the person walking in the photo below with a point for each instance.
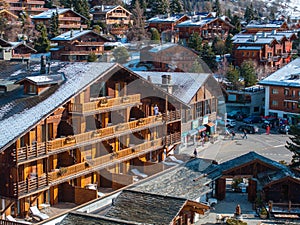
(195, 153)
(232, 135)
(245, 134)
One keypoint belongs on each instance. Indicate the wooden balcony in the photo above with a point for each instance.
(172, 116)
(72, 26)
(83, 168)
(69, 19)
(89, 43)
(105, 104)
(22, 155)
(61, 144)
(20, 56)
(29, 152)
(78, 52)
(173, 139)
(30, 185)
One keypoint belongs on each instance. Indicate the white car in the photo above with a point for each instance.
(230, 123)
(211, 202)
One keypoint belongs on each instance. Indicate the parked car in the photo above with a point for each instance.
(233, 114)
(250, 129)
(211, 202)
(252, 119)
(230, 123)
(284, 129)
(269, 122)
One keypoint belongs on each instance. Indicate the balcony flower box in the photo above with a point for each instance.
(120, 127)
(97, 133)
(70, 140)
(125, 99)
(62, 171)
(140, 122)
(103, 102)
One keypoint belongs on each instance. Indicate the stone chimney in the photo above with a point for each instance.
(43, 65)
(167, 83)
(149, 79)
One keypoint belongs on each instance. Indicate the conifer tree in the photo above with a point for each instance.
(155, 36)
(217, 8)
(195, 42)
(209, 57)
(42, 44)
(54, 25)
(159, 7)
(294, 146)
(176, 6)
(247, 71)
(233, 76)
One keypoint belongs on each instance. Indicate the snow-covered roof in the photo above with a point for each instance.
(272, 24)
(255, 48)
(288, 75)
(20, 114)
(45, 79)
(254, 40)
(200, 22)
(159, 19)
(48, 14)
(71, 35)
(162, 47)
(185, 85)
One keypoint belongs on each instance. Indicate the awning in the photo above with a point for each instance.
(210, 124)
(201, 128)
(193, 132)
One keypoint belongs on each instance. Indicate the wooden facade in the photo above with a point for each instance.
(77, 45)
(270, 50)
(116, 18)
(15, 50)
(278, 25)
(67, 19)
(31, 7)
(95, 137)
(207, 28)
(164, 24)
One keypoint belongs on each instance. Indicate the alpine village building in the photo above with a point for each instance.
(68, 19)
(77, 45)
(70, 125)
(31, 7)
(272, 50)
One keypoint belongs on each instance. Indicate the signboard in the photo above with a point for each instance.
(195, 124)
(205, 120)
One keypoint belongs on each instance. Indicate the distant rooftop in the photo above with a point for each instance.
(288, 76)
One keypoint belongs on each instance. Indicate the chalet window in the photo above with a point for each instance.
(256, 109)
(286, 105)
(274, 91)
(275, 103)
(242, 53)
(253, 54)
(269, 54)
(31, 89)
(293, 93)
(247, 53)
(299, 93)
(199, 109)
(293, 105)
(286, 92)
(207, 107)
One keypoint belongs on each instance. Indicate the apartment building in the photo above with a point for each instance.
(283, 92)
(116, 18)
(68, 19)
(208, 28)
(77, 45)
(271, 50)
(68, 126)
(31, 7)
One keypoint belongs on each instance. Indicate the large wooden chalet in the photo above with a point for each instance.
(254, 26)
(74, 125)
(77, 45)
(116, 18)
(208, 28)
(15, 50)
(31, 7)
(269, 49)
(68, 19)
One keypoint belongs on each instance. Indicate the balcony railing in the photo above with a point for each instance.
(102, 134)
(69, 18)
(60, 144)
(29, 152)
(104, 104)
(30, 185)
(110, 159)
(89, 43)
(172, 116)
(173, 138)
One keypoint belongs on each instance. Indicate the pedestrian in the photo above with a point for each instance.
(268, 129)
(156, 112)
(245, 134)
(195, 153)
(232, 135)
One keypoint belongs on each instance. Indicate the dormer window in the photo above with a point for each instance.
(31, 89)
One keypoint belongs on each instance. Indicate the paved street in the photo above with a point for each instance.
(271, 146)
